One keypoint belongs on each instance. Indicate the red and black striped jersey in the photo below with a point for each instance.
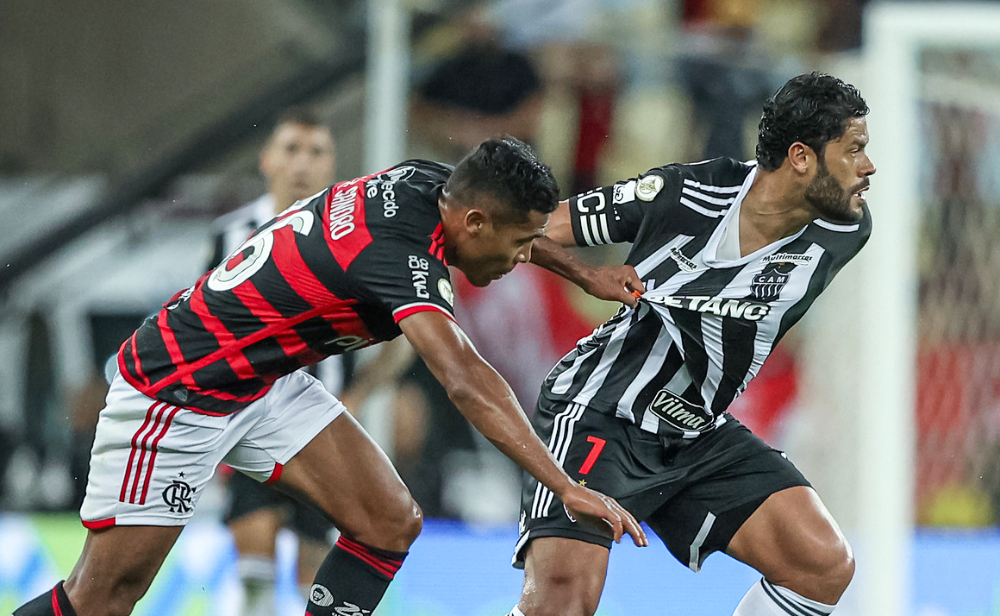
(332, 273)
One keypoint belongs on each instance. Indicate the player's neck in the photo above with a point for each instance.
(450, 226)
(774, 208)
(281, 201)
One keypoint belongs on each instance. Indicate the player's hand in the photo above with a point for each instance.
(588, 506)
(615, 283)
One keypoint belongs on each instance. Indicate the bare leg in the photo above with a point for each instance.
(345, 473)
(116, 568)
(563, 577)
(350, 478)
(796, 544)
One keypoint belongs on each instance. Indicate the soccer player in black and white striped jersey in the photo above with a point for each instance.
(727, 256)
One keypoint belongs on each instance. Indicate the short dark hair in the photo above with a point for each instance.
(813, 109)
(508, 170)
(300, 115)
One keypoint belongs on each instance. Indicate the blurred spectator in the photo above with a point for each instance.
(480, 92)
(840, 25)
(723, 71)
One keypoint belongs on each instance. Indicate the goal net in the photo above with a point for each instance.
(911, 336)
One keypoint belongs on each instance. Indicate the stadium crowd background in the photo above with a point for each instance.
(125, 129)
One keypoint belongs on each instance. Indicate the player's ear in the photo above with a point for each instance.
(475, 220)
(799, 156)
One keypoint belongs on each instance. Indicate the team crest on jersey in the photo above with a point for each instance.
(444, 288)
(767, 285)
(648, 187)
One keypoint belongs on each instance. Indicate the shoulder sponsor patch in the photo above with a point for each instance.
(444, 288)
(624, 193)
(648, 187)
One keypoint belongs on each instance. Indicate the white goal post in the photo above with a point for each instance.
(895, 35)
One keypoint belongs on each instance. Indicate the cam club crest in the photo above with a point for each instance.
(767, 285)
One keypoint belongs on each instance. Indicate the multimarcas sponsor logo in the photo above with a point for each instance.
(748, 310)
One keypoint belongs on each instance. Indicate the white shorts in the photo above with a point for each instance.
(151, 460)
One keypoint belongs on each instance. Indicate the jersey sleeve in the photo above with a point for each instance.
(614, 213)
(405, 279)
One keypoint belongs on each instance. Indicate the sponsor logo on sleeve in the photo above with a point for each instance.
(624, 192)
(444, 288)
(419, 272)
(648, 187)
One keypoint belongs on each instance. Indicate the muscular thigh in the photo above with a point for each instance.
(344, 472)
(732, 472)
(788, 532)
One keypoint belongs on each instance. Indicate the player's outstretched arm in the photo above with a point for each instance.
(617, 283)
(485, 399)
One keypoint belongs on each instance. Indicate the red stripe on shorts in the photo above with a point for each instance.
(152, 456)
(98, 524)
(275, 474)
(142, 453)
(135, 443)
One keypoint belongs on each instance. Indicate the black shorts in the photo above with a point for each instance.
(247, 495)
(693, 493)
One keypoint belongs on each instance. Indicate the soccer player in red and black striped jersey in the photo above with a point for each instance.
(213, 377)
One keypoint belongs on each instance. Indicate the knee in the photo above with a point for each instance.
(394, 527)
(831, 568)
(562, 597)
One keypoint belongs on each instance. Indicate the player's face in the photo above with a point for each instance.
(837, 189)
(492, 249)
(298, 161)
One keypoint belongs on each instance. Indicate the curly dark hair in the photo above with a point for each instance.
(508, 170)
(813, 109)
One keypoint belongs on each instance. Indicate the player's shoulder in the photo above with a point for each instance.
(845, 239)
(418, 171)
(714, 177)
(401, 202)
(715, 173)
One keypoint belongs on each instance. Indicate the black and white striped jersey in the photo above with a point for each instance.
(706, 324)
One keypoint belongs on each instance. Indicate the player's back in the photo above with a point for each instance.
(327, 275)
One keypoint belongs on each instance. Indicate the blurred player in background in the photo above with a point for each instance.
(298, 161)
(214, 377)
(731, 255)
